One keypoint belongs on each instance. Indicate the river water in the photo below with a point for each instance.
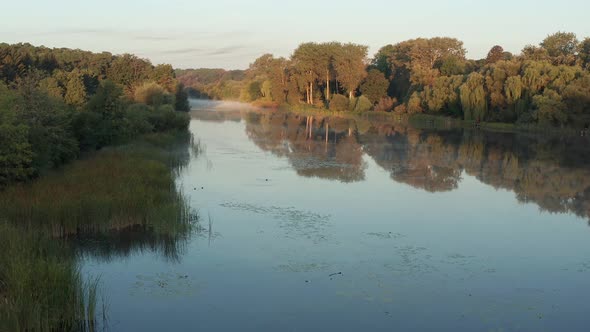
(376, 227)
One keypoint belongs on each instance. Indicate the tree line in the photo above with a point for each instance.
(58, 103)
(546, 84)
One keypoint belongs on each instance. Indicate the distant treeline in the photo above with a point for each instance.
(57, 103)
(210, 83)
(548, 84)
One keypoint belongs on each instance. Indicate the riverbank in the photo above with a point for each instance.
(428, 121)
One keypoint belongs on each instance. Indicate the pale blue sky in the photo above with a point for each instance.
(232, 33)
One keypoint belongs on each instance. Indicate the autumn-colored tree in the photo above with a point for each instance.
(164, 75)
(51, 86)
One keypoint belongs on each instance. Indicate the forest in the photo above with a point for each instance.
(546, 84)
(56, 104)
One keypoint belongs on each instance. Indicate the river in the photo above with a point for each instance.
(373, 227)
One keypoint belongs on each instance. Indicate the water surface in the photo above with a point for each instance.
(374, 226)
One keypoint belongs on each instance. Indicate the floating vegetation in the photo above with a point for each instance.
(387, 235)
(303, 267)
(297, 223)
(167, 284)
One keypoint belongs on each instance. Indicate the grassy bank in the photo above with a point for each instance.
(102, 197)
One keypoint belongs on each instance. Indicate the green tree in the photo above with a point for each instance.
(181, 99)
(550, 108)
(16, 155)
(561, 44)
(584, 53)
(75, 90)
(375, 85)
(349, 64)
(49, 121)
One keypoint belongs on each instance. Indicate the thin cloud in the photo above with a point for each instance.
(225, 50)
(182, 51)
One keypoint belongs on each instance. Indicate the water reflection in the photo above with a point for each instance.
(550, 171)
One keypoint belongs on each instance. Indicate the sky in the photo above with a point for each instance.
(231, 34)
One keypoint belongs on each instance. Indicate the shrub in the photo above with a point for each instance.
(137, 116)
(150, 93)
(385, 104)
(339, 103)
(363, 104)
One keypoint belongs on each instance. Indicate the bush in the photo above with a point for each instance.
(165, 118)
(151, 93)
(363, 104)
(385, 104)
(137, 116)
(339, 103)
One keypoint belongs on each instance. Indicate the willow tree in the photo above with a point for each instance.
(473, 97)
(513, 89)
(495, 79)
(349, 64)
(443, 94)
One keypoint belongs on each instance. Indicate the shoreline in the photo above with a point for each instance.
(418, 121)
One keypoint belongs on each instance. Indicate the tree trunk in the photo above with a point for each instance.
(351, 95)
(327, 85)
(327, 131)
(311, 92)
